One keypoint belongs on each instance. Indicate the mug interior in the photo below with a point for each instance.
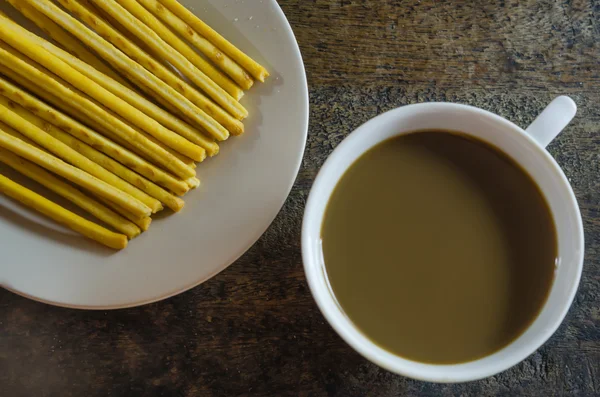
(510, 139)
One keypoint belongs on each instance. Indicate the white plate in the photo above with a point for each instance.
(243, 189)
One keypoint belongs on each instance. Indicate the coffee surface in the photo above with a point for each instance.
(439, 247)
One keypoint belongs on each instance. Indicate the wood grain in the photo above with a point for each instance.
(254, 329)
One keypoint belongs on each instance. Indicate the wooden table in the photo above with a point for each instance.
(255, 329)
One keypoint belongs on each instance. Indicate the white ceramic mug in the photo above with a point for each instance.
(526, 147)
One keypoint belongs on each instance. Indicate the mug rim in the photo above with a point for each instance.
(361, 343)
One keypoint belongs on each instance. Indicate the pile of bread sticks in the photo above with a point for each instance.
(115, 113)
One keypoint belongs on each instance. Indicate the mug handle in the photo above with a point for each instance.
(553, 119)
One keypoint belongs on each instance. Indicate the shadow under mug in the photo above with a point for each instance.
(527, 148)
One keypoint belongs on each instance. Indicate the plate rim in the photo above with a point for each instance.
(304, 91)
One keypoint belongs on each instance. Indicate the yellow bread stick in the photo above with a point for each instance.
(67, 191)
(193, 183)
(153, 71)
(38, 75)
(179, 187)
(142, 223)
(107, 132)
(118, 27)
(212, 148)
(159, 46)
(184, 49)
(116, 174)
(253, 67)
(112, 135)
(61, 215)
(78, 112)
(67, 171)
(82, 104)
(99, 158)
(9, 115)
(142, 45)
(80, 131)
(84, 118)
(100, 13)
(28, 47)
(65, 40)
(181, 157)
(208, 49)
(11, 131)
(161, 81)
